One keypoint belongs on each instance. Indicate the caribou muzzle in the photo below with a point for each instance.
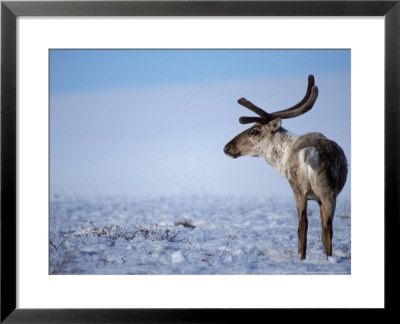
(228, 150)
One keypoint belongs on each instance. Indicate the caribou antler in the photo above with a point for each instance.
(298, 109)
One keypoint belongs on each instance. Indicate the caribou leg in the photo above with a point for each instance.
(301, 204)
(327, 208)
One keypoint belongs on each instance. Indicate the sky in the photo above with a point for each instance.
(154, 122)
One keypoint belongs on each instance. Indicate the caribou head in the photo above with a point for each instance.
(250, 142)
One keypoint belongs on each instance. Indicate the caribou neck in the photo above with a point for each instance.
(277, 150)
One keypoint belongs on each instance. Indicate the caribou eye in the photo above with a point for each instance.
(255, 132)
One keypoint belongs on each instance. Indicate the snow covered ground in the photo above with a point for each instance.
(190, 235)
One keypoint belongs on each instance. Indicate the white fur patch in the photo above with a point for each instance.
(308, 164)
(313, 157)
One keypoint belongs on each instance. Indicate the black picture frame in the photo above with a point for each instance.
(10, 10)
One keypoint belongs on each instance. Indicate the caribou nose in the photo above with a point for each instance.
(227, 148)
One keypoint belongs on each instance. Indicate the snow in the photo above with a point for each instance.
(191, 235)
(177, 257)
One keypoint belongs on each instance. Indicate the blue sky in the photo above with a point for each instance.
(81, 70)
(154, 122)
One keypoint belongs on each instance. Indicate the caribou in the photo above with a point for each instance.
(314, 166)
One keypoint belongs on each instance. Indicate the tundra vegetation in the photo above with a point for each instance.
(189, 235)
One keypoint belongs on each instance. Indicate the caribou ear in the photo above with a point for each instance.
(274, 125)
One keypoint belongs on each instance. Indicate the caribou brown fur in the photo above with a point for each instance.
(314, 166)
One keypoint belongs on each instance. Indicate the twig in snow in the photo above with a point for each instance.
(56, 247)
(231, 238)
(170, 239)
